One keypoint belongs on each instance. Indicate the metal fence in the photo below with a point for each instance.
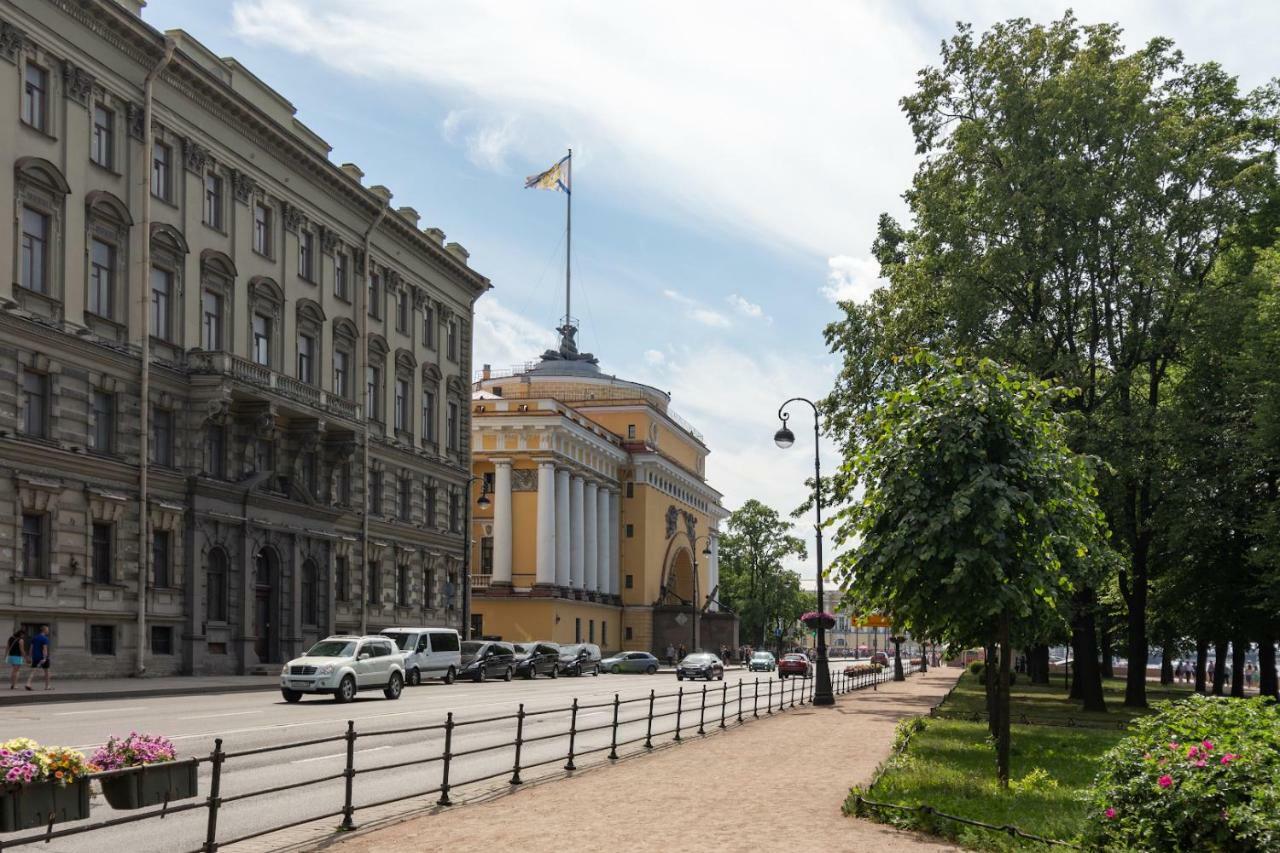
(714, 707)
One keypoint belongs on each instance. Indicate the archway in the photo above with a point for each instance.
(266, 574)
(680, 580)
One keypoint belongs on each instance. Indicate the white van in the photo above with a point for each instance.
(428, 653)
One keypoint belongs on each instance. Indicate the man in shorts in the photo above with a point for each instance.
(40, 657)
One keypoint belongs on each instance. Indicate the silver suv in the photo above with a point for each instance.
(342, 666)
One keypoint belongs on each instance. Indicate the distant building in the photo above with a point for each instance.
(602, 526)
(208, 513)
(870, 632)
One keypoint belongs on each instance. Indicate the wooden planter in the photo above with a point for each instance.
(151, 785)
(31, 806)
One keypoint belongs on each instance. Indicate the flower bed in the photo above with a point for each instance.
(155, 776)
(41, 784)
(862, 669)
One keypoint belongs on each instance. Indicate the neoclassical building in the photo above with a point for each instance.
(601, 525)
(233, 379)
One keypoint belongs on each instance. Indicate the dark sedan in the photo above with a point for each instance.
(534, 659)
(700, 665)
(579, 659)
(483, 660)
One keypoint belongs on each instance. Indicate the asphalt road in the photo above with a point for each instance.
(249, 721)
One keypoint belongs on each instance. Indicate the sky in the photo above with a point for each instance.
(731, 158)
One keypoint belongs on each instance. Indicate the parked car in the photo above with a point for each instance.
(343, 666)
(880, 659)
(427, 653)
(630, 662)
(762, 662)
(794, 664)
(483, 659)
(534, 659)
(700, 665)
(579, 659)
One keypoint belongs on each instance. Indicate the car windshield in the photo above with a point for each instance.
(524, 648)
(332, 649)
(699, 659)
(404, 641)
(570, 650)
(471, 647)
(795, 657)
(761, 656)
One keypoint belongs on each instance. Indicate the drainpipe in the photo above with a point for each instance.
(364, 335)
(144, 299)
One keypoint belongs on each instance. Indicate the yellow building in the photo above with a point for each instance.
(600, 526)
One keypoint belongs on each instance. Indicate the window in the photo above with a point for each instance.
(630, 582)
(631, 430)
(577, 629)
(341, 374)
(486, 555)
(604, 633)
(211, 320)
(103, 148)
(35, 562)
(35, 97)
(100, 553)
(340, 276)
(310, 589)
(341, 581)
(307, 255)
(102, 434)
(406, 497)
(161, 574)
(344, 484)
(455, 511)
(216, 438)
(213, 200)
(161, 639)
(262, 229)
(426, 588)
(430, 498)
(631, 531)
(102, 272)
(262, 340)
(375, 292)
(373, 393)
(402, 405)
(216, 582)
(429, 327)
(264, 455)
(306, 357)
(451, 436)
(429, 416)
(35, 250)
(162, 172)
(161, 301)
(375, 492)
(375, 583)
(35, 404)
(631, 490)
(102, 639)
(402, 586)
(453, 340)
(628, 633)
(591, 630)
(402, 311)
(162, 437)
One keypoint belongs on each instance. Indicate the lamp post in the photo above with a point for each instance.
(483, 503)
(784, 438)
(706, 552)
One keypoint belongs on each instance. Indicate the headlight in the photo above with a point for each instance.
(325, 669)
(284, 670)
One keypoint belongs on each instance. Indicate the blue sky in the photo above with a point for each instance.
(731, 159)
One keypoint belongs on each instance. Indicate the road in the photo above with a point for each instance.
(249, 721)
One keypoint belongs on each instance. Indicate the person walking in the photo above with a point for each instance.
(682, 652)
(15, 654)
(40, 656)
(671, 655)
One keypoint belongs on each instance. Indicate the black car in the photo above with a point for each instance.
(534, 659)
(487, 659)
(579, 659)
(700, 665)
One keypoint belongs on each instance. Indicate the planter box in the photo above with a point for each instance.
(151, 785)
(31, 806)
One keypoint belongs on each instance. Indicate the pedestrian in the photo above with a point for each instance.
(40, 656)
(1212, 670)
(671, 655)
(1248, 676)
(15, 653)
(683, 652)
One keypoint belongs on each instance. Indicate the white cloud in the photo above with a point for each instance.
(851, 279)
(654, 357)
(504, 338)
(747, 308)
(488, 140)
(698, 312)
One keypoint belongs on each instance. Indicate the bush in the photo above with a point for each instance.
(1201, 774)
(976, 667)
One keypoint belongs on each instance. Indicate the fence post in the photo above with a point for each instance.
(215, 798)
(755, 700)
(448, 757)
(724, 696)
(702, 711)
(573, 733)
(613, 742)
(648, 732)
(739, 701)
(679, 708)
(350, 773)
(515, 773)
(768, 703)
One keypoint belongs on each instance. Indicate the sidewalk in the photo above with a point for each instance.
(97, 689)
(771, 785)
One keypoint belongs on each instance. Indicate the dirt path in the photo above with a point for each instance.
(772, 785)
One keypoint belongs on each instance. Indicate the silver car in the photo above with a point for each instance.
(342, 666)
(762, 662)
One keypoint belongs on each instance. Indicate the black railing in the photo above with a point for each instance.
(743, 703)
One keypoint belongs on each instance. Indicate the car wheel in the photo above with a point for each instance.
(346, 690)
(679, 677)
(615, 669)
(480, 675)
(720, 677)
(595, 671)
(415, 677)
(449, 676)
(555, 671)
(532, 673)
(506, 676)
(651, 670)
(394, 686)
(291, 695)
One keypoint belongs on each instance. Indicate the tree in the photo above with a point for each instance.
(753, 582)
(975, 515)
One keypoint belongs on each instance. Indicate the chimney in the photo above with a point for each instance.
(458, 252)
(485, 372)
(381, 192)
(410, 214)
(435, 235)
(352, 171)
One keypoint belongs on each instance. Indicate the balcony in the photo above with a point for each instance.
(480, 582)
(226, 364)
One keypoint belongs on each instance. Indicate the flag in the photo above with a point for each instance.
(555, 178)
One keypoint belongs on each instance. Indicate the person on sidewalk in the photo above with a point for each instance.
(40, 656)
(671, 655)
(15, 654)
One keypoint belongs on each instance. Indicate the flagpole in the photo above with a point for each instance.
(568, 236)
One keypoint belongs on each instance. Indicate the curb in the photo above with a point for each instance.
(42, 697)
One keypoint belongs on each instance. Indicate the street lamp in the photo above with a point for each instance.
(706, 552)
(784, 438)
(483, 503)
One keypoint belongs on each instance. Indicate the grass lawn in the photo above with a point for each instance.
(1049, 702)
(951, 766)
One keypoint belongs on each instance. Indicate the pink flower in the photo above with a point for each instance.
(1192, 752)
(1147, 756)
(1229, 757)
(1200, 763)
(1110, 813)
(1165, 781)
(1208, 745)
(1173, 745)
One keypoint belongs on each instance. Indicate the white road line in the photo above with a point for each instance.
(338, 755)
(97, 711)
(226, 714)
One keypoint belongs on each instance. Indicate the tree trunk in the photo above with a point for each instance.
(1038, 663)
(1202, 662)
(1104, 640)
(1166, 663)
(1238, 648)
(1219, 666)
(1002, 736)
(1135, 683)
(1088, 670)
(1267, 668)
(990, 682)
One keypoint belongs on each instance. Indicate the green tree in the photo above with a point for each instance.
(974, 515)
(753, 582)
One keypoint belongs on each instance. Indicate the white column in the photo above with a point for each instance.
(713, 569)
(590, 538)
(562, 527)
(604, 568)
(575, 532)
(501, 521)
(615, 534)
(546, 565)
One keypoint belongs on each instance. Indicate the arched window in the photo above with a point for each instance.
(310, 588)
(215, 573)
(344, 360)
(310, 322)
(266, 307)
(107, 223)
(40, 192)
(217, 283)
